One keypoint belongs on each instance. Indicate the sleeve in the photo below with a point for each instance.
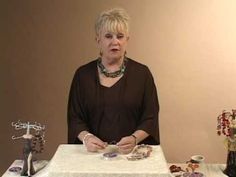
(149, 121)
(75, 113)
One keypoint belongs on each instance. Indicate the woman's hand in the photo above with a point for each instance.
(126, 144)
(93, 143)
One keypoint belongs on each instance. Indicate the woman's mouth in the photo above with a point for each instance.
(115, 50)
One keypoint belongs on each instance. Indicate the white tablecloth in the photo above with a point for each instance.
(75, 161)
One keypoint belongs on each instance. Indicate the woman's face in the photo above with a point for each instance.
(112, 44)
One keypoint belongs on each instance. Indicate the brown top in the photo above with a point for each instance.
(113, 112)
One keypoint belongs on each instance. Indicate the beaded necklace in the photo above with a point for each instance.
(140, 152)
(38, 143)
(111, 74)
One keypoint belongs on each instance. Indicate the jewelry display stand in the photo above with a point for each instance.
(31, 141)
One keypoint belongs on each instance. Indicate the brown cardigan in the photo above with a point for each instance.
(112, 113)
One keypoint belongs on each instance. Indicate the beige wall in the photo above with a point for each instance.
(188, 45)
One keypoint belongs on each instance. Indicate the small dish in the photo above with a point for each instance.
(109, 155)
(197, 158)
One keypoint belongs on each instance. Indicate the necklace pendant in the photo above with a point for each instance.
(114, 74)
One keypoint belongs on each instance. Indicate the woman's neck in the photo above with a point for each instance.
(112, 64)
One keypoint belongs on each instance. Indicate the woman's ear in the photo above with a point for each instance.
(97, 39)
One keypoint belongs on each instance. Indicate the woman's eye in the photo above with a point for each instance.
(120, 36)
(108, 36)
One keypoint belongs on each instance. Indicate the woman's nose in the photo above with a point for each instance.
(115, 40)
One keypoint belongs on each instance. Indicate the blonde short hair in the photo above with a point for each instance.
(113, 20)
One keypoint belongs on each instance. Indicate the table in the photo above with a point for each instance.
(75, 161)
(210, 170)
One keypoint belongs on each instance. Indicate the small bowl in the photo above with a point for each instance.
(197, 158)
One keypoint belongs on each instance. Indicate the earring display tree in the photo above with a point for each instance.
(33, 143)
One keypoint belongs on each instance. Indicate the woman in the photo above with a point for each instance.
(113, 99)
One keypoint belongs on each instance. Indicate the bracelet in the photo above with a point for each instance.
(37, 143)
(85, 136)
(135, 137)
